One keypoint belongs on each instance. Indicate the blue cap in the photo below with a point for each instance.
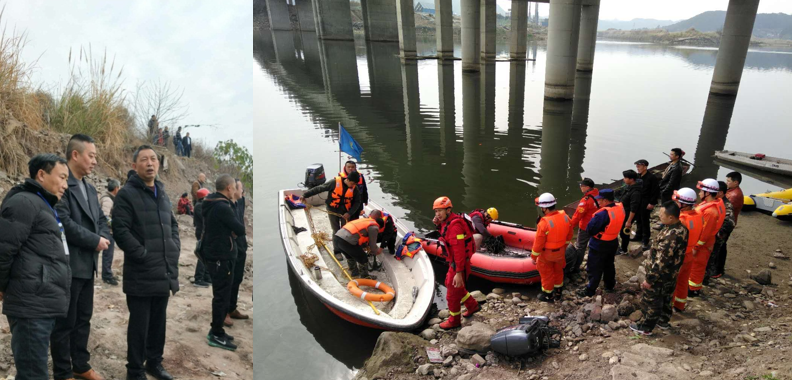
(605, 194)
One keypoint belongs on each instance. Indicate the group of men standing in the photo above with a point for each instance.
(159, 136)
(54, 227)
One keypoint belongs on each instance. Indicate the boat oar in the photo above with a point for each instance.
(321, 243)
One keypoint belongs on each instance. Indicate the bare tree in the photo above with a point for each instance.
(161, 99)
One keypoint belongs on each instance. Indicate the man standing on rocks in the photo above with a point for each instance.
(694, 222)
(604, 231)
(631, 201)
(734, 195)
(198, 185)
(662, 267)
(553, 234)
(672, 176)
(187, 145)
(722, 236)
(107, 200)
(219, 251)
(239, 265)
(586, 208)
(456, 237)
(650, 192)
(147, 231)
(714, 213)
(87, 234)
(34, 263)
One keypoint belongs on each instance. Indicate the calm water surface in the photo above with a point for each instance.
(487, 139)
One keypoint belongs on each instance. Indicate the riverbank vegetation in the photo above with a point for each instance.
(691, 37)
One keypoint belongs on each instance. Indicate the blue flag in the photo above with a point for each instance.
(347, 144)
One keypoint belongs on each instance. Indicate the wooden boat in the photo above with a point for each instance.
(759, 161)
(411, 278)
(512, 266)
(655, 170)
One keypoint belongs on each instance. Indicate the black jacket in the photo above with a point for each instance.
(631, 198)
(650, 191)
(84, 223)
(198, 219)
(220, 220)
(34, 269)
(242, 244)
(145, 228)
(672, 179)
(329, 187)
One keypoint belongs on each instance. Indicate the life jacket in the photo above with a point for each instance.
(616, 214)
(385, 218)
(470, 246)
(343, 174)
(480, 213)
(338, 194)
(694, 222)
(559, 230)
(721, 217)
(294, 202)
(356, 226)
(409, 246)
(587, 199)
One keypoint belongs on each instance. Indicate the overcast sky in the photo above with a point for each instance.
(204, 47)
(663, 9)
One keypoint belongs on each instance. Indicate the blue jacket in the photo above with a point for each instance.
(597, 224)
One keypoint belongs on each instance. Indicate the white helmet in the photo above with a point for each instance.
(709, 185)
(685, 195)
(545, 200)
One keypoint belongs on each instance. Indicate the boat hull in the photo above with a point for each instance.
(770, 164)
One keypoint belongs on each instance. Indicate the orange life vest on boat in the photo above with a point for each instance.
(343, 174)
(355, 226)
(338, 194)
(616, 215)
(694, 222)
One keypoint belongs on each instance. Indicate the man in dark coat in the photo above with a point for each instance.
(343, 198)
(650, 192)
(34, 263)
(672, 176)
(239, 265)
(187, 145)
(631, 201)
(88, 234)
(202, 278)
(219, 250)
(146, 230)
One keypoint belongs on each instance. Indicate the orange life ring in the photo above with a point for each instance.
(354, 288)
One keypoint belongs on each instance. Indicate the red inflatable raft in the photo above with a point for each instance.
(513, 266)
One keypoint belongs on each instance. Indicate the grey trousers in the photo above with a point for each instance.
(579, 249)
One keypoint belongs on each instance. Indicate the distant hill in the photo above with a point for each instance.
(767, 25)
(636, 23)
(456, 6)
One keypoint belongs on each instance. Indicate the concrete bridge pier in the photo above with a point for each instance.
(589, 14)
(333, 19)
(444, 29)
(278, 13)
(305, 13)
(405, 14)
(471, 36)
(489, 21)
(562, 48)
(412, 111)
(445, 84)
(519, 25)
(556, 129)
(740, 17)
(379, 20)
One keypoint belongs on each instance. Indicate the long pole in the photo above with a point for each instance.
(340, 168)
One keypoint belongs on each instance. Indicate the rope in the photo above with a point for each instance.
(307, 207)
(318, 239)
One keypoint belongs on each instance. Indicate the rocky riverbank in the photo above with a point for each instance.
(739, 329)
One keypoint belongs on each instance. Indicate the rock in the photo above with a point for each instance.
(428, 334)
(613, 360)
(589, 308)
(738, 371)
(516, 294)
(613, 325)
(771, 265)
(625, 308)
(583, 357)
(730, 295)
(607, 354)
(443, 314)
(753, 288)
(465, 377)
(475, 337)
(447, 351)
(453, 372)
(433, 341)
(652, 351)
(692, 322)
(779, 255)
(393, 350)
(448, 361)
(620, 372)
(748, 305)
(608, 313)
(555, 364)
(516, 300)
(745, 338)
(477, 359)
(641, 274)
(763, 329)
(596, 314)
(765, 277)
(424, 369)
(434, 321)
(636, 316)
(498, 290)
(598, 301)
(706, 373)
(491, 359)
(493, 296)
(478, 296)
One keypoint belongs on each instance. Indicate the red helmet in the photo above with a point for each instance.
(202, 193)
(442, 202)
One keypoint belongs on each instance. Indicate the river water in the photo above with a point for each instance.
(487, 139)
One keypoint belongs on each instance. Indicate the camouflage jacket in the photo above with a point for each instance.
(667, 254)
(728, 222)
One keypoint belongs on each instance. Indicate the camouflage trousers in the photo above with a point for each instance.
(657, 303)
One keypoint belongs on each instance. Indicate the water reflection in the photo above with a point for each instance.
(714, 129)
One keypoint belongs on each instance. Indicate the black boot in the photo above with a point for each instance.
(353, 269)
(364, 272)
(545, 297)
(558, 294)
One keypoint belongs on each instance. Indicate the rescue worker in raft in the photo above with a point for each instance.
(553, 234)
(685, 198)
(353, 237)
(587, 206)
(604, 229)
(713, 211)
(456, 238)
(481, 220)
(342, 196)
(349, 167)
(387, 234)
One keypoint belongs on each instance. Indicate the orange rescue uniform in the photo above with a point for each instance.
(694, 222)
(714, 213)
(553, 234)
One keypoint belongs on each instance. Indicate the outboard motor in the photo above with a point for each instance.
(314, 175)
(531, 336)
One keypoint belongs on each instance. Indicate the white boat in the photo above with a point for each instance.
(759, 161)
(411, 278)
